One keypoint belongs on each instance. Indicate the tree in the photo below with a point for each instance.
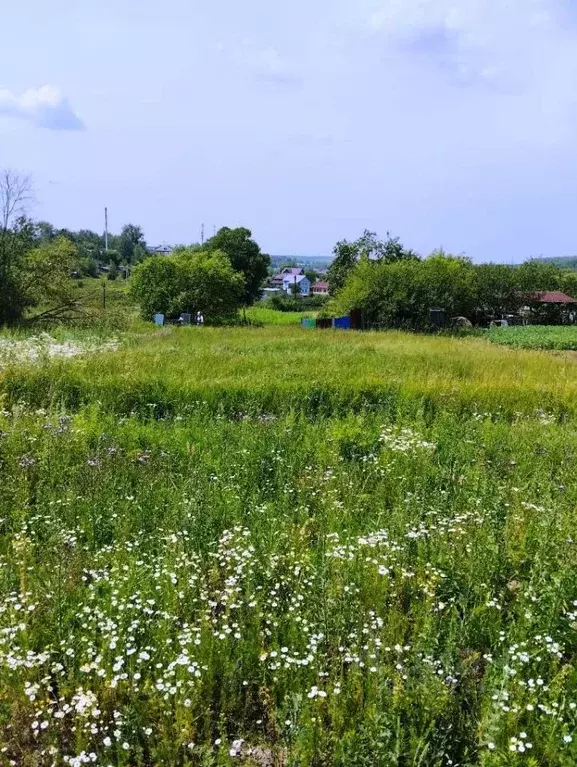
(33, 272)
(399, 293)
(192, 281)
(311, 275)
(45, 231)
(498, 290)
(15, 196)
(131, 237)
(245, 256)
(369, 247)
(345, 259)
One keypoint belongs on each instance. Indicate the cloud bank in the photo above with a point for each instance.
(509, 43)
(45, 107)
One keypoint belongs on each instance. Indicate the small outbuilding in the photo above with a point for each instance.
(551, 307)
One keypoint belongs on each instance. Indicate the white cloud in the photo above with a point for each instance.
(46, 107)
(525, 50)
(495, 40)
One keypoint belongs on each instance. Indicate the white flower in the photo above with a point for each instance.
(567, 738)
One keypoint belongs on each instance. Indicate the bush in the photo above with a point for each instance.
(193, 281)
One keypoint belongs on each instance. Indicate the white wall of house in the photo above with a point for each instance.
(302, 282)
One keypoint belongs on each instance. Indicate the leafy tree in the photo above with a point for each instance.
(345, 259)
(369, 247)
(245, 256)
(32, 272)
(193, 281)
(45, 231)
(33, 275)
(400, 293)
(311, 275)
(131, 237)
(498, 290)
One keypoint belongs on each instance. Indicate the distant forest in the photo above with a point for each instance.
(564, 262)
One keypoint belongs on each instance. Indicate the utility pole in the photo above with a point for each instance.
(202, 234)
(106, 229)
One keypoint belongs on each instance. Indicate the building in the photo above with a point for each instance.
(278, 279)
(320, 288)
(296, 283)
(551, 307)
(160, 250)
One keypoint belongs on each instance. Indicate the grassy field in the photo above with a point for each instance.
(279, 369)
(266, 316)
(283, 547)
(536, 337)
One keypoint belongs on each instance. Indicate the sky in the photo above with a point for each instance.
(449, 123)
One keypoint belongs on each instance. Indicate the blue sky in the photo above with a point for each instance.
(448, 122)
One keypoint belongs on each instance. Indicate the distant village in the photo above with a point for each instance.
(292, 280)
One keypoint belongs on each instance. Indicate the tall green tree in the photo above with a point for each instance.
(245, 256)
(368, 246)
(192, 281)
(35, 264)
(131, 239)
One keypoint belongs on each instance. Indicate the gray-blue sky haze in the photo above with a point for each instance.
(447, 122)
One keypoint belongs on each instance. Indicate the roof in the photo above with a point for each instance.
(292, 270)
(321, 284)
(553, 297)
(160, 249)
(292, 278)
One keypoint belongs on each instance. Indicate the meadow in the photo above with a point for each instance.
(275, 546)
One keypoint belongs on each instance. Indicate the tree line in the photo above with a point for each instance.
(37, 262)
(394, 287)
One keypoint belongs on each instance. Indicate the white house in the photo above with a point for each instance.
(300, 280)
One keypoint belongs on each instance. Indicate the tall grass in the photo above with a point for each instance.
(265, 316)
(391, 582)
(282, 369)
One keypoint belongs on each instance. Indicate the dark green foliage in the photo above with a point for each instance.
(348, 254)
(131, 244)
(400, 293)
(32, 274)
(245, 256)
(192, 281)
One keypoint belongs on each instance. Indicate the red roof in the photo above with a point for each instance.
(321, 285)
(553, 297)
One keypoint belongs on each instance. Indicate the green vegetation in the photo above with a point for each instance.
(276, 369)
(536, 337)
(245, 257)
(271, 546)
(399, 292)
(191, 281)
(262, 315)
(346, 255)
